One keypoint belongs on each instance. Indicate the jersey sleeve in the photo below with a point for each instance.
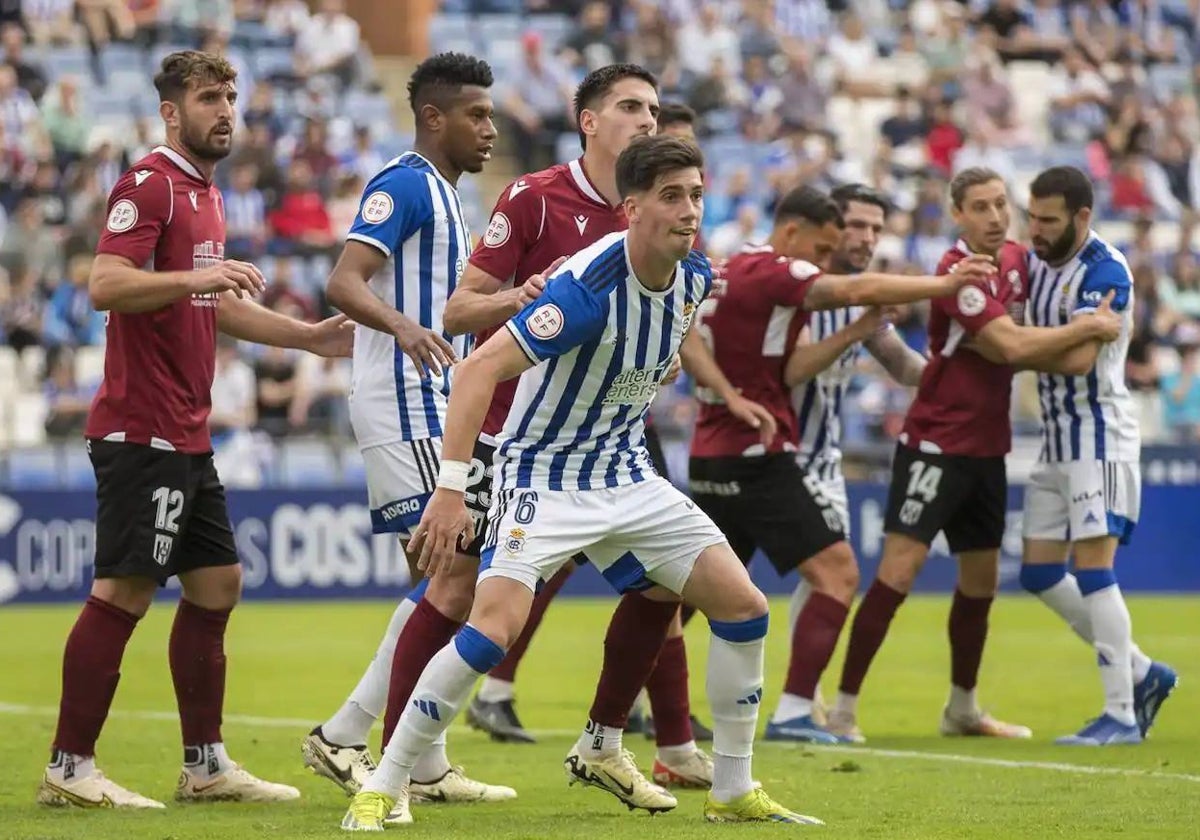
(788, 281)
(972, 306)
(1098, 281)
(515, 225)
(394, 205)
(565, 316)
(139, 208)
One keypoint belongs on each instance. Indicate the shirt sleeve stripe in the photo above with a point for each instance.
(370, 240)
(525, 348)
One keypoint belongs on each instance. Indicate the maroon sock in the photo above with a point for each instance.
(635, 636)
(426, 632)
(197, 655)
(686, 611)
(668, 690)
(868, 632)
(91, 670)
(968, 627)
(813, 640)
(507, 669)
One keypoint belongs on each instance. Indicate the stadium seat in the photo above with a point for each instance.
(31, 368)
(274, 61)
(77, 472)
(306, 463)
(9, 367)
(69, 61)
(354, 474)
(122, 58)
(34, 468)
(452, 33)
(554, 29)
(89, 365)
(29, 419)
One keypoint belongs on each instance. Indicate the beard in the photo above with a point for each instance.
(203, 144)
(1057, 251)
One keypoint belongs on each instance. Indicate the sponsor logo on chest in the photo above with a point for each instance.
(634, 387)
(206, 254)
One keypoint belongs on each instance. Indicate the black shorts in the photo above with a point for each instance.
(159, 513)
(767, 502)
(962, 496)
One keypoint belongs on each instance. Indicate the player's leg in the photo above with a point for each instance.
(131, 563)
(210, 576)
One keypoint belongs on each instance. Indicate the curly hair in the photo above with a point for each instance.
(183, 70)
(446, 73)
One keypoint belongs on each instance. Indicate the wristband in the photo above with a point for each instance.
(453, 476)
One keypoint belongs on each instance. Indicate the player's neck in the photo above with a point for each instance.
(993, 253)
(447, 170)
(652, 270)
(204, 167)
(602, 172)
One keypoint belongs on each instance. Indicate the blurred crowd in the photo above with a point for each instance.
(896, 94)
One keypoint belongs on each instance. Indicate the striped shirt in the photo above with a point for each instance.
(413, 215)
(1089, 417)
(819, 401)
(601, 342)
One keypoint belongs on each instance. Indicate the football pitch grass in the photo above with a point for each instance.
(290, 664)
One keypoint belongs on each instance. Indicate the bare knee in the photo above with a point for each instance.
(833, 572)
(902, 560)
(131, 594)
(501, 609)
(661, 594)
(452, 591)
(214, 587)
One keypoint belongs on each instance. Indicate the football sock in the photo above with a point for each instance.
(425, 633)
(967, 628)
(1112, 628)
(668, 691)
(598, 740)
(66, 767)
(493, 690)
(734, 683)
(867, 633)
(197, 655)
(432, 764)
(507, 669)
(207, 760)
(814, 637)
(796, 603)
(677, 754)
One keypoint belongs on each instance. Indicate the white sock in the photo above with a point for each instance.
(963, 703)
(352, 723)
(1112, 628)
(492, 690)
(792, 706)
(734, 682)
(796, 603)
(1065, 599)
(207, 760)
(677, 754)
(847, 704)
(432, 764)
(443, 689)
(65, 767)
(598, 739)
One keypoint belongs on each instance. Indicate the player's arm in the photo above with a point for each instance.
(1004, 341)
(248, 321)
(903, 364)
(808, 357)
(698, 361)
(830, 291)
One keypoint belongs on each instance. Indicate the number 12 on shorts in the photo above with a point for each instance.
(922, 489)
(168, 505)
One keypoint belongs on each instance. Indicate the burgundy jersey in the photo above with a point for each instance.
(537, 219)
(962, 404)
(163, 215)
(751, 322)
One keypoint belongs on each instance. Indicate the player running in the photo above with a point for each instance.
(760, 496)
(161, 275)
(404, 253)
(572, 475)
(1084, 495)
(948, 474)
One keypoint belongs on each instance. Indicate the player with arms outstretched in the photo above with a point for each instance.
(401, 261)
(948, 474)
(1084, 495)
(573, 475)
(161, 275)
(758, 495)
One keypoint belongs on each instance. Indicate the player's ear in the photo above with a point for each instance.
(631, 208)
(1083, 219)
(587, 122)
(169, 111)
(431, 116)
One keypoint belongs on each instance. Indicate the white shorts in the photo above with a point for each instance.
(400, 478)
(834, 490)
(637, 535)
(1081, 500)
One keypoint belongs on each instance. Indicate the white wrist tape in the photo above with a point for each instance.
(453, 475)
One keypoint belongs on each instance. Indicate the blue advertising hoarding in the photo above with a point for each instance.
(318, 544)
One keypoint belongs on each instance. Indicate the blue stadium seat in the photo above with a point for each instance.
(273, 61)
(36, 468)
(452, 33)
(77, 472)
(118, 57)
(306, 463)
(354, 474)
(554, 29)
(72, 61)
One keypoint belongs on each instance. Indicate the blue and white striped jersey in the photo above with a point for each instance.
(1088, 417)
(414, 216)
(601, 342)
(818, 402)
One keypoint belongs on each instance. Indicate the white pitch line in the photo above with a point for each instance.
(982, 761)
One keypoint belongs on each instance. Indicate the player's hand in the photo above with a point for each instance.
(242, 278)
(754, 416)
(976, 268)
(445, 524)
(333, 337)
(874, 320)
(1108, 322)
(673, 371)
(532, 288)
(428, 350)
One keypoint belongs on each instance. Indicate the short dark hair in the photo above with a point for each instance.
(596, 85)
(646, 159)
(846, 194)
(811, 205)
(1072, 184)
(673, 113)
(183, 70)
(972, 176)
(445, 74)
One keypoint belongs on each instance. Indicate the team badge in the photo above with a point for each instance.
(162, 548)
(515, 541)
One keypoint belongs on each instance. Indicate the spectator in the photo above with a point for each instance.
(805, 96)
(539, 105)
(233, 392)
(27, 241)
(46, 190)
(193, 20)
(1181, 397)
(258, 148)
(704, 38)
(313, 150)
(991, 104)
(760, 117)
(944, 139)
(70, 319)
(1179, 162)
(653, 45)
(947, 53)
(65, 122)
(1051, 28)
(1140, 370)
(1078, 97)
(86, 229)
(594, 44)
(759, 31)
(30, 77)
(102, 19)
(907, 123)
(978, 150)
(855, 58)
(364, 158)
(1096, 28)
(746, 227)
(286, 18)
(275, 386)
(67, 401)
(1180, 291)
(908, 66)
(284, 293)
(343, 204)
(328, 44)
(18, 111)
(1147, 38)
(322, 386)
(21, 310)
(300, 224)
(51, 22)
(245, 215)
(261, 109)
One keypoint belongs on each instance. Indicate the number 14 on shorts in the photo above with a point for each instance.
(922, 489)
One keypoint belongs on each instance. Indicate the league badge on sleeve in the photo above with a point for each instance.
(122, 216)
(377, 207)
(545, 322)
(971, 301)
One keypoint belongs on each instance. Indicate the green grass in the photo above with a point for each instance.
(296, 661)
